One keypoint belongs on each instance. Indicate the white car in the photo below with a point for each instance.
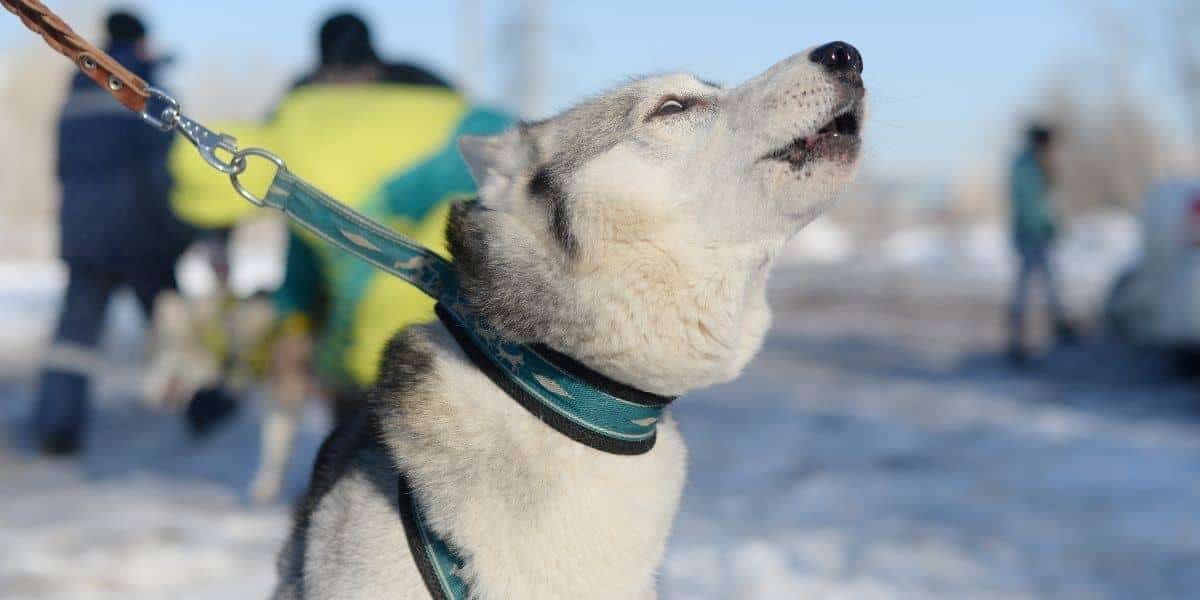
(1157, 301)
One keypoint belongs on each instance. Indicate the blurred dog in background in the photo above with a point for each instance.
(212, 352)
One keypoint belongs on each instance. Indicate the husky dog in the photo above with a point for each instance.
(634, 233)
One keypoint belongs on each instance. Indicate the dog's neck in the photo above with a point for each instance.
(662, 314)
(669, 323)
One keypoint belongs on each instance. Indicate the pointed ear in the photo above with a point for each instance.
(491, 157)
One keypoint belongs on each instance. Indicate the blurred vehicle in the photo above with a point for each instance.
(1156, 301)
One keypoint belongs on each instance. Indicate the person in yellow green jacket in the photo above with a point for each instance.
(355, 307)
(380, 138)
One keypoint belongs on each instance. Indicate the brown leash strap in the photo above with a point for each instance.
(129, 89)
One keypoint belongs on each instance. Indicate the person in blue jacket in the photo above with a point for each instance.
(116, 230)
(1034, 229)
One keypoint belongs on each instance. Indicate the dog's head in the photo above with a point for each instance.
(654, 184)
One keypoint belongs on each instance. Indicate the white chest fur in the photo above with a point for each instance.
(536, 515)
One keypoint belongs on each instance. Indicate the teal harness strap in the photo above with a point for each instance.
(436, 562)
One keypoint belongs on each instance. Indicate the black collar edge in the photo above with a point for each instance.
(535, 407)
(600, 381)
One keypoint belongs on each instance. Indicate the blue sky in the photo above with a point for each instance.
(948, 80)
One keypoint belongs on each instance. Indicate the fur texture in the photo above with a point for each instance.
(630, 233)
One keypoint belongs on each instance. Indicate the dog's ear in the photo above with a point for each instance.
(492, 157)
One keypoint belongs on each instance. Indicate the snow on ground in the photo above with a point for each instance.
(874, 453)
(146, 513)
(877, 448)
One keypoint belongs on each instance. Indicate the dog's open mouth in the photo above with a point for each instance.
(838, 139)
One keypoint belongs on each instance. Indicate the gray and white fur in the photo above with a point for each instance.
(634, 233)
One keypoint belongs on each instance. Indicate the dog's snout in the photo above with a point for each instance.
(838, 58)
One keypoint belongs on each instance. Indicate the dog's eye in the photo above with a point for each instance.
(670, 106)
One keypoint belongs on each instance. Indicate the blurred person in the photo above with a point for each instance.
(380, 137)
(115, 226)
(356, 307)
(1035, 227)
(347, 55)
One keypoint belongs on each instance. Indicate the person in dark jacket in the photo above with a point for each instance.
(116, 230)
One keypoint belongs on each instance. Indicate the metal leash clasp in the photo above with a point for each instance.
(207, 141)
(204, 139)
(239, 163)
(165, 121)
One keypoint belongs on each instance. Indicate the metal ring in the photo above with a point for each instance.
(87, 62)
(165, 121)
(169, 115)
(114, 84)
(239, 162)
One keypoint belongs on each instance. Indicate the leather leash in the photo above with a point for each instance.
(129, 89)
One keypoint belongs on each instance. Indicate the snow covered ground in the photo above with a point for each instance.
(878, 448)
(875, 452)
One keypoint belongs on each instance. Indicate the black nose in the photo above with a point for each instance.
(838, 57)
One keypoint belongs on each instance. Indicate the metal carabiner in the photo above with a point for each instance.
(204, 139)
(208, 142)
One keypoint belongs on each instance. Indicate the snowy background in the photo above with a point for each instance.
(879, 447)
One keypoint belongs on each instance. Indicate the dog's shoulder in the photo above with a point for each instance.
(407, 364)
(352, 448)
(354, 486)
(333, 460)
(357, 445)
(349, 538)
